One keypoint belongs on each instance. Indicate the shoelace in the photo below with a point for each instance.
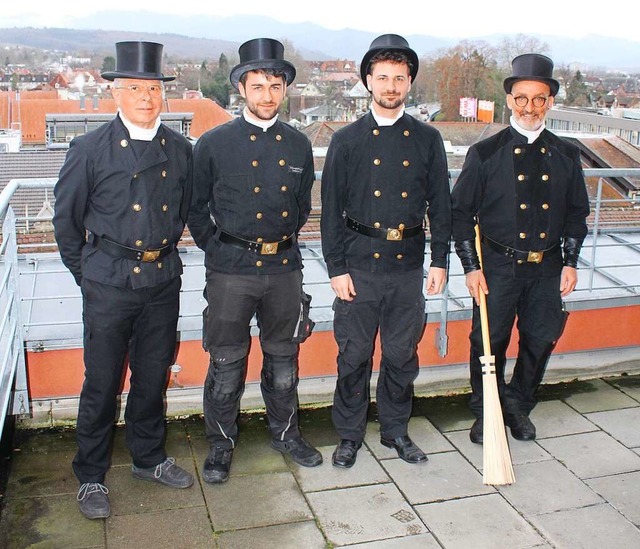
(169, 462)
(89, 488)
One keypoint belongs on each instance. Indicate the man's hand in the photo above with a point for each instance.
(342, 285)
(568, 280)
(436, 280)
(476, 283)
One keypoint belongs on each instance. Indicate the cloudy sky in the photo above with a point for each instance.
(456, 19)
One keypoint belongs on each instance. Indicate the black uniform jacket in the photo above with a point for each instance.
(142, 203)
(254, 185)
(526, 196)
(385, 176)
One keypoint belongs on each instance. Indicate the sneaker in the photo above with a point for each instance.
(299, 450)
(93, 501)
(167, 473)
(217, 465)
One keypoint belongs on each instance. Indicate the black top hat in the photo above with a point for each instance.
(388, 42)
(262, 53)
(532, 66)
(142, 60)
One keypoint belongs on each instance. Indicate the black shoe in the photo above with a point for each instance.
(476, 431)
(217, 465)
(406, 449)
(345, 453)
(167, 473)
(93, 501)
(299, 450)
(521, 426)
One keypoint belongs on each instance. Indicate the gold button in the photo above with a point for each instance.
(137, 207)
(278, 137)
(159, 264)
(376, 256)
(164, 173)
(259, 240)
(137, 269)
(517, 150)
(135, 176)
(124, 143)
(543, 150)
(253, 137)
(162, 142)
(285, 214)
(258, 263)
(405, 163)
(138, 243)
(401, 226)
(376, 132)
(254, 163)
(284, 188)
(406, 133)
(259, 215)
(285, 261)
(543, 235)
(285, 236)
(405, 194)
(376, 225)
(521, 177)
(399, 256)
(523, 235)
(523, 206)
(376, 162)
(545, 177)
(377, 193)
(165, 242)
(545, 206)
(520, 261)
(165, 208)
(282, 162)
(256, 189)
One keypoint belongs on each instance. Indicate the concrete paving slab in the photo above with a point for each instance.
(48, 522)
(366, 470)
(42, 475)
(629, 385)
(556, 418)
(421, 431)
(444, 476)
(449, 413)
(421, 541)
(545, 487)
(596, 527)
(364, 513)
(597, 396)
(620, 424)
(484, 522)
(256, 500)
(622, 492)
(34, 442)
(285, 536)
(592, 454)
(173, 529)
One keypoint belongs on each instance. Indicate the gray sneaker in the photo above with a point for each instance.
(167, 473)
(93, 501)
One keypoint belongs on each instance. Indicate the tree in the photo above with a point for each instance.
(219, 87)
(577, 92)
(108, 64)
(511, 47)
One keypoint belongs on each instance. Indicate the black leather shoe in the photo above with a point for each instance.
(299, 450)
(345, 453)
(406, 448)
(521, 426)
(476, 431)
(217, 465)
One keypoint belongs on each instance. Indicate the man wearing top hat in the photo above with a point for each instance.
(525, 189)
(252, 195)
(382, 174)
(121, 205)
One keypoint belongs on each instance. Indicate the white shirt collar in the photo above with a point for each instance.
(382, 121)
(264, 124)
(138, 133)
(531, 136)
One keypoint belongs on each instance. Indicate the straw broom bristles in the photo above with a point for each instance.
(497, 468)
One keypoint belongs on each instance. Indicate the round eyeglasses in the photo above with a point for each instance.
(139, 91)
(538, 101)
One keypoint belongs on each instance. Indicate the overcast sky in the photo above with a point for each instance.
(455, 19)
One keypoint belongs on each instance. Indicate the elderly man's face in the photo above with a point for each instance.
(526, 92)
(140, 101)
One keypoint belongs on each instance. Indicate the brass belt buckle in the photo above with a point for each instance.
(535, 257)
(149, 256)
(394, 234)
(269, 248)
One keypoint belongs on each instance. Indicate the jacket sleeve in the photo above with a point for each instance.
(575, 226)
(304, 195)
(72, 194)
(199, 221)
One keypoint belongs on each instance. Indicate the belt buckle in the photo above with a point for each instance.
(394, 234)
(535, 257)
(149, 256)
(269, 248)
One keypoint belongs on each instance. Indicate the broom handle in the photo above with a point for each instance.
(484, 317)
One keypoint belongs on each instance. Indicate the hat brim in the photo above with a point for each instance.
(287, 68)
(366, 60)
(554, 85)
(112, 75)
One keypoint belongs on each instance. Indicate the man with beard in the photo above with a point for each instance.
(525, 189)
(252, 195)
(382, 174)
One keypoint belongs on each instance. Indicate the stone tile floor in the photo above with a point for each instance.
(577, 485)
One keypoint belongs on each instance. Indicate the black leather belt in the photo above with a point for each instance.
(521, 255)
(384, 234)
(118, 250)
(262, 248)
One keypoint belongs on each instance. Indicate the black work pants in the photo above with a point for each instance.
(232, 302)
(394, 304)
(119, 321)
(538, 306)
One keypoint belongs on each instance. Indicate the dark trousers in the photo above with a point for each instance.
(118, 321)
(232, 302)
(395, 304)
(538, 306)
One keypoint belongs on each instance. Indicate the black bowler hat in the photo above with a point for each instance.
(532, 66)
(392, 42)
(262, 53)
(142, 60)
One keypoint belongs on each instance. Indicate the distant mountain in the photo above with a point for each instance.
(208, 36)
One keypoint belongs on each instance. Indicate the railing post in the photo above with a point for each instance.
(596, 224)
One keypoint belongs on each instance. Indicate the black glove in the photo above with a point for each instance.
(466, 250)
(571, 248)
